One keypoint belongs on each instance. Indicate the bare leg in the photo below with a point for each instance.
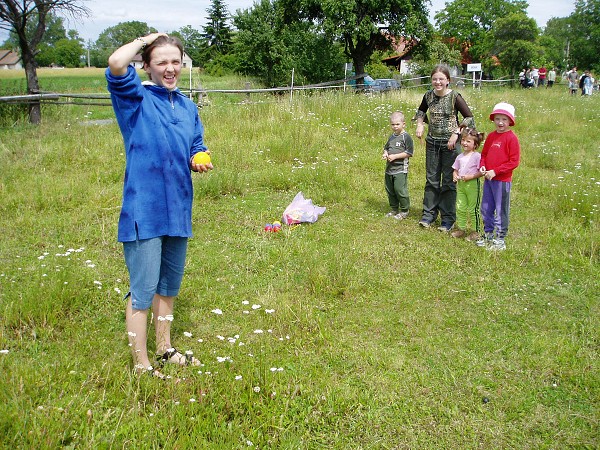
(136, 321)
(162, 307)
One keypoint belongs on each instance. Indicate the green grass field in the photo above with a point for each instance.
(355, 332)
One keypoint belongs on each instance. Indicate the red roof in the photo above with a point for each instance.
(9, 58)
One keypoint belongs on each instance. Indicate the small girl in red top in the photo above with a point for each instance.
(500, 156)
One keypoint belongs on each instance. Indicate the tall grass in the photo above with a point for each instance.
(353, 332)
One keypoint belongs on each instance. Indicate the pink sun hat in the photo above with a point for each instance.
(504, 108)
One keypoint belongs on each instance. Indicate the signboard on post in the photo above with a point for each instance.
(474, 68)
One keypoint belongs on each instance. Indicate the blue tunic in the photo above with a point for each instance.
(162, 131)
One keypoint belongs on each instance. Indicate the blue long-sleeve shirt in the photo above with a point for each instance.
(161, 130)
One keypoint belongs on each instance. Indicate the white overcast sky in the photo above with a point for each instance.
(172, 15)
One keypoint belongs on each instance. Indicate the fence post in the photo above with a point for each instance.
(200, 102)
(292, 87)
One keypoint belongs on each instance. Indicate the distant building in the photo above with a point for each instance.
(402, 58)
(137, 62)
(403, 54)
(10, 60)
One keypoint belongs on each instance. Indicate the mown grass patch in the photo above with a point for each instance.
(353, 332)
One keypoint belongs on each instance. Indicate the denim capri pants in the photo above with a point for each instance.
(155, 267)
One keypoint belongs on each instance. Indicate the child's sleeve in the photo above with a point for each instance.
(456, 163)
(513, 153)
(408, 145)
(484, 152)
(386, 146)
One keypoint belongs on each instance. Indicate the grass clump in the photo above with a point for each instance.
(354, 332)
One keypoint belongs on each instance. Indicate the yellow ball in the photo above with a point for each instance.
(201, 158)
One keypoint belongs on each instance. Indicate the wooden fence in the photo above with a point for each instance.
(347, 84)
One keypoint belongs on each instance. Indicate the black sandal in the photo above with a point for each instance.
(166, 358)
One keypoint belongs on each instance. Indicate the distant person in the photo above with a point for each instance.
(522, 81)
(162, 132)
(535, 76)
(525, 78)
(500, 157)
(586, 83)
(551, 77)
(572, 79)
(468, 185)
(443, 105)
(543, 72)
(528, 77)
(397, 152)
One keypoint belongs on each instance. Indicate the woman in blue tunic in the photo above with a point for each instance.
(162, 132)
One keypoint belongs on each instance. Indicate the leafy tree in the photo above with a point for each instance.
(515, 44)
(377, 69)
(74, 36)
(217, 32)
(55, 31)
(585, 34)
(258, 44)
(21, 16)
(361, 25)
(555, 41)
(222, 65)
(267, 47)
(468, 23)
(193, 43)
(68, 53)
(431, 53)
(313, 56)
(116, 36)
(552, 53)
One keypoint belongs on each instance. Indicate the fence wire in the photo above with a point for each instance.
(55, 98)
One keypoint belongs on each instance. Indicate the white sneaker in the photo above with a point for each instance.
(497, 245)
(392, 214)
(401, 215)
(484, 241)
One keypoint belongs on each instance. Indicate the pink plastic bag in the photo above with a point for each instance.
(302, 210)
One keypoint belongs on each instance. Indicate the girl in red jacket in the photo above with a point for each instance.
(500, 156)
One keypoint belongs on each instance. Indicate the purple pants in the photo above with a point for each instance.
(495, 207)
